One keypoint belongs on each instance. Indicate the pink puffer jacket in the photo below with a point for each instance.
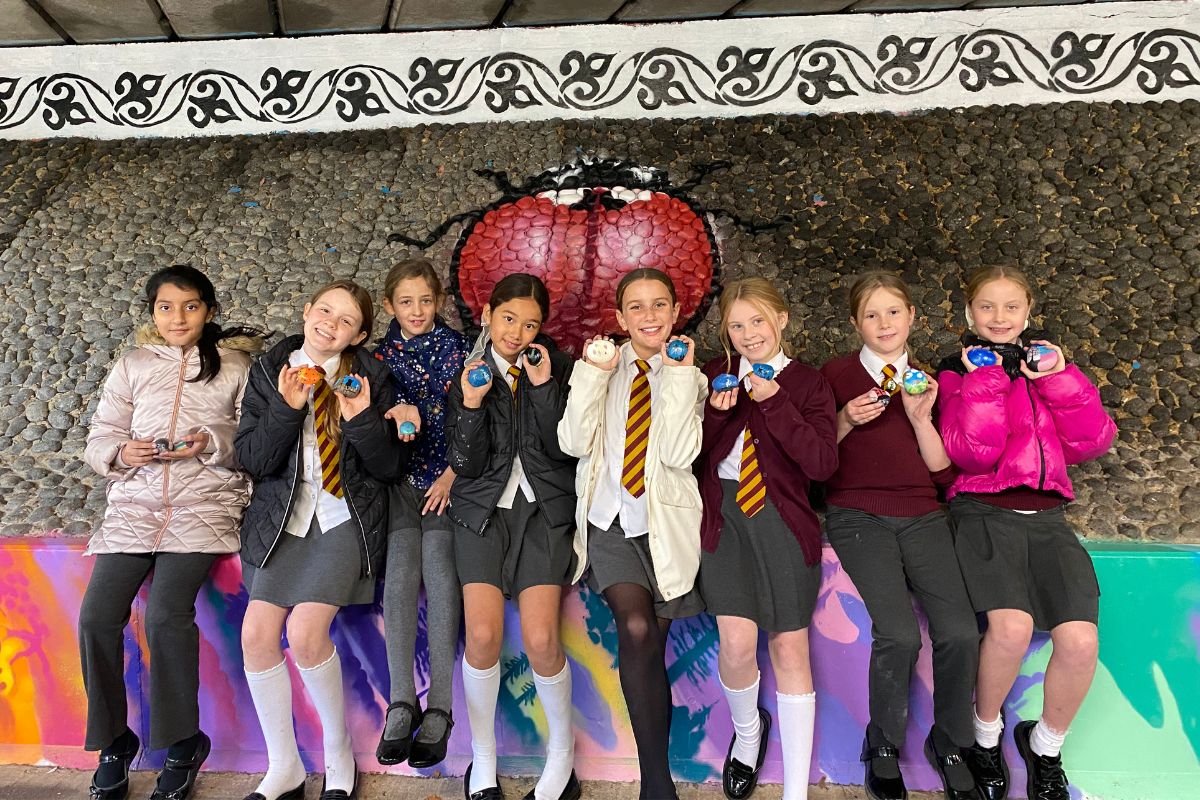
(1003, 433)
(190, 506)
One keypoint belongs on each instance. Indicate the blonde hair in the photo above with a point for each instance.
(333, 422)
(984, 275)
(760, 293)
(868, 282)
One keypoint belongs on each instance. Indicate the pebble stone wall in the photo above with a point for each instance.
(1097, 201)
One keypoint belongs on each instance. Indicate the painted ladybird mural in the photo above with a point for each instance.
(581, 228)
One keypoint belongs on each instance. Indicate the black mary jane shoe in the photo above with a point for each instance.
(189, 765)
(396, 751)
(429, 754)
(989, 768)
(490, 793)
(941, 763)
(572, 791)
(882, 788)
(118, 790)
(1045, 779)
(738, 780)
(294, 794)
(340, 794)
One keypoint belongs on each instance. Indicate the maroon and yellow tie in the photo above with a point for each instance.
(752, 492)
(324, 405)
(637, 433)
(514, 373)
(890, 384)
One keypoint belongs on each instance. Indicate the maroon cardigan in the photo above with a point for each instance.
(795, 437)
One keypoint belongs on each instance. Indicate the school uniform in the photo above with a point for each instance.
(885, 523)
(761, 539)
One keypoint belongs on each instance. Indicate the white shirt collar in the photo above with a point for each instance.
(874, 364)
(629, 355)
(300, 358)
(778, 363)
(500, 360)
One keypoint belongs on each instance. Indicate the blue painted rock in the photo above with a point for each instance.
(764, 371)
(479, 375)
(348, 386)
(981, 357)
(533, 356)
(881, 397)
(725, 382)
(407, 428)
(162, 445)
(677, 350)
(915, 381)
(1040, 358)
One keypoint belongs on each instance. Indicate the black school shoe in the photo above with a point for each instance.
(490, 793)
(1045, 779)
(339, 794)
(737, 779)
(294, 794)
(396, 751)
(952, 769)
(882, 788)
(179, 772)
(572, 791)
(429, 754)
(990, 769)
(115, 758)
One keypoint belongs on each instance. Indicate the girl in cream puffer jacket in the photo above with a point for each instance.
(172, 510)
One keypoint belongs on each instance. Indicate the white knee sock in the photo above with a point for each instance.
(555, 694)
(797, 718)
(987, 734)
(481, 688)
(743, 707)
(1044, 740)
(324, 684)
(272, 694)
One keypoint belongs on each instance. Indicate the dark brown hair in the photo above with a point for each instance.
(644, 274)
(414, 268)
(521, 286)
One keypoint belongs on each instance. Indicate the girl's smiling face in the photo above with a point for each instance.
(884, 320)
(332, 323)
(414, 306)
(752, 333)
(648, 315)
(1000, 311)
(513, 324)
(180, 315)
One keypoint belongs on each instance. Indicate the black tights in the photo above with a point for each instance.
(641, 654)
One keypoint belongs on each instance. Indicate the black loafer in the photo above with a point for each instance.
(882, 788)
(1045, 779)
(429, 754)
(572, 791)
(396, 751)
(942, 763)
(990, 769)
(490, 793)
(189, 765)
(737, 779)
(294, 794)
(118, 790)
(340, 794)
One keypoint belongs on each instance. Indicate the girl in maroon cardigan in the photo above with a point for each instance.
(761, 560)
(888, 531)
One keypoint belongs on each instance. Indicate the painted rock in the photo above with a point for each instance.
(309, 376)
(407, 428)
(725, 382)
(162, 445)
(348, 386)
(764, 371)
(180, 446)
(479, 375)
(881, 397)
(601, 351)
(533, 356)
(677, 350)
(1040, 358)
(981, 357)
(915, 381)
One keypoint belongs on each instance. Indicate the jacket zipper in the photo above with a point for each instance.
(496, 498)
(171, 437)
(1036, 438)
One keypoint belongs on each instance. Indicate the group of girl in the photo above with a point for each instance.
(673, 497)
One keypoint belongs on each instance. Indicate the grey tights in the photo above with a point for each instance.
(413, 555)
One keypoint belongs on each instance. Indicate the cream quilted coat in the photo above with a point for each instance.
(190, 506)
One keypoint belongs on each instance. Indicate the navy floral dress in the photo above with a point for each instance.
(424, 366)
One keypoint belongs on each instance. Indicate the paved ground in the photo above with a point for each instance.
(51, 783)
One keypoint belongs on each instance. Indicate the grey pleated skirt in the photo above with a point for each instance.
(322, 567)
(516, 551)
(758, 570)
(1030, 562)
(614, 559)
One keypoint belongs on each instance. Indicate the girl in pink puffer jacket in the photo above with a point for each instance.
(1012, 427)
(163, 436)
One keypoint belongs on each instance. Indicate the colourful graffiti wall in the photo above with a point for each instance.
(1137, 735)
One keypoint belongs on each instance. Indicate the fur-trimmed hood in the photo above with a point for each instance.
(250, 345)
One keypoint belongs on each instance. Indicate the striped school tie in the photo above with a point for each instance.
(752, 492)
(637, 432)
(331, 473)
(514, 373)
(890, 384)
